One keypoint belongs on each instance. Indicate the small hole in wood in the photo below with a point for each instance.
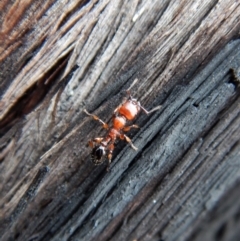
(196, 105)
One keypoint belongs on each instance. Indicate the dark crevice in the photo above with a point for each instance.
(70, 14)
(195, 105)
(235, 78)
(237, 216)
(33, 95)
(58, 90)
(233, 147)
(27, 57)
(221, 115)
(219, 235)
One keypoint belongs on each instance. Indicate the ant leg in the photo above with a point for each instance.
(95, 140)
(127, 128)
(128, 140)
(152, 110)
(110, 149)
(117, 109)
(105, 125)
(134, 82)
(109, 161)
(129, 96)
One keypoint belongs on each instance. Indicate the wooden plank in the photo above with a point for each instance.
(60, 57)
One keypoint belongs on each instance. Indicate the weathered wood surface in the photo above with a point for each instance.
(58, 57)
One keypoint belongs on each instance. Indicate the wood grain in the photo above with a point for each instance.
(59, 57)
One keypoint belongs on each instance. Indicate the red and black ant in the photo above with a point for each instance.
(127, 111)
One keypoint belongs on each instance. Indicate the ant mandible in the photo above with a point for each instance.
(127, 111)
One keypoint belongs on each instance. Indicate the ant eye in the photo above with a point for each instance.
(134, 101)
(97, 154)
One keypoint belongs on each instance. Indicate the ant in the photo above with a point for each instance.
(127, 111)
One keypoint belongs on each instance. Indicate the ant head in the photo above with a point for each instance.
(98, 152)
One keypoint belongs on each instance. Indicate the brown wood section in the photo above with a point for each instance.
(58, 58)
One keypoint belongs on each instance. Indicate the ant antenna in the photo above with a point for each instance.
(133, 83)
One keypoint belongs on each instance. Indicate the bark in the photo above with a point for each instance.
(59, 57)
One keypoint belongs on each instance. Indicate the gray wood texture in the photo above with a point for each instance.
(59, 57)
